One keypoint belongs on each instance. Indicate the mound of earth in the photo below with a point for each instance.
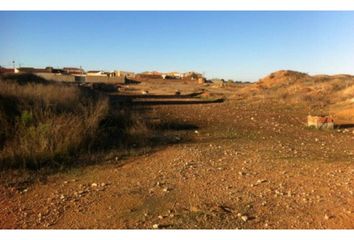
(325, 93)
(282, 78)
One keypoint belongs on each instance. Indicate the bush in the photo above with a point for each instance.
(45, 123)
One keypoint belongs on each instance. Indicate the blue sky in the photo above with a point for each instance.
(239, 45)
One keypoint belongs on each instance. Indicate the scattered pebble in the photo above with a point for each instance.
(259, 181)
(166, 189)
(244, 218)
(194, 209)
(226, 209)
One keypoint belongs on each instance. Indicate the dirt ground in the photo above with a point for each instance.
(237, 164)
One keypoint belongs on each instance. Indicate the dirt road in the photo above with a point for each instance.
(234, 164)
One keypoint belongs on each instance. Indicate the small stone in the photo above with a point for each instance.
(94, 185)
(155, 226)
(244, 218)
(327, 217)
(261, 181)
(160, 217)
(166, 189)
(226, 209)
(194, 209)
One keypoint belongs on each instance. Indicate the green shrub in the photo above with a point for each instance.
(26, 118)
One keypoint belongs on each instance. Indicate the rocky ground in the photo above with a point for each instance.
(240, 164)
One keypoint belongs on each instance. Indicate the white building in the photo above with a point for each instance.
(96, 73)
(119, 73)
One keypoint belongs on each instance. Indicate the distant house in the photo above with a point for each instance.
(150, 75)
(73, 71)
(119, 73)
(110, 74)
(54, 70)
(192, 76)
(33, 70)
(172, 75)
(96, 73)
(100, 73)
(6, 70)
(57, 71)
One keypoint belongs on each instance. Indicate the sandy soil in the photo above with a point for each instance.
(239, 164)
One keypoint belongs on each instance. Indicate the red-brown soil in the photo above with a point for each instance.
(244, 163)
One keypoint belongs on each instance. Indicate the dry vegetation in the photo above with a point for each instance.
(45, 123)
(246, 162)
(332, 94)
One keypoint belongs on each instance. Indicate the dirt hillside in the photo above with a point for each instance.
(326, 94)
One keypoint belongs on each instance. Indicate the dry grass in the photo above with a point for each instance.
(45, 123)
(330, 95)
(295, 87)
